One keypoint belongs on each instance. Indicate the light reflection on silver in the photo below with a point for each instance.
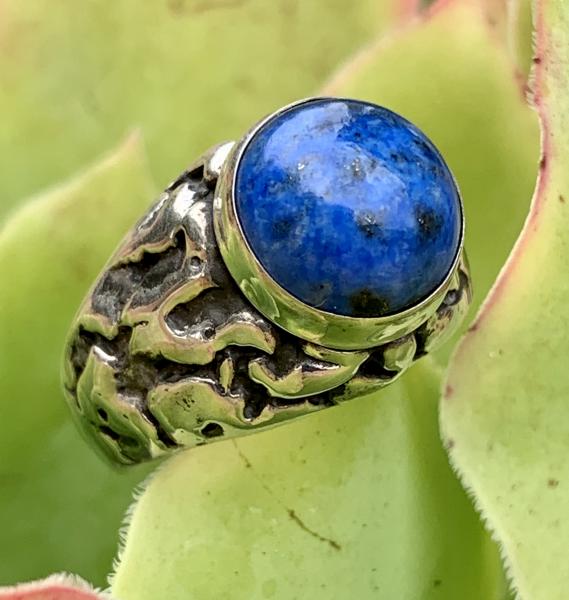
(183, 201)
(167, 352)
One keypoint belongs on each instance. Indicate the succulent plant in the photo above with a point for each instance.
(452, 483)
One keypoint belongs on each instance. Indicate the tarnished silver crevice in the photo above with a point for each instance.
(166, 352)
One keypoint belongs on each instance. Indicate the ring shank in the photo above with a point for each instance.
(166, 352)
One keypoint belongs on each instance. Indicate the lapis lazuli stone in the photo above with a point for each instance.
(349, 207)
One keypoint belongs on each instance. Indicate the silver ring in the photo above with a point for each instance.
(241, 301)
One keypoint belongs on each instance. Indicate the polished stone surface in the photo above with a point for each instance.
(349, 207)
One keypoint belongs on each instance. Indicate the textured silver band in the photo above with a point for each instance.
(166, 352)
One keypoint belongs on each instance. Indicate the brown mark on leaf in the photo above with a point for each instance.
(291, 513)
(332, 543)
(552, 483)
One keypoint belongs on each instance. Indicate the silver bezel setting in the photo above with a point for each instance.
(280, 306)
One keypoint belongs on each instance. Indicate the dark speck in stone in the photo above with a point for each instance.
(424, 146)
(356, 168)
(368, 225)
(348, 206)
(396, 157)
(320, 293)
(367, 304)
(283, 227)
(430, 223)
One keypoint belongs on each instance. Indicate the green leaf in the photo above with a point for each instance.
(189, 73)
(357, 501)
(60, 506)
(451, 75)
(506, 412)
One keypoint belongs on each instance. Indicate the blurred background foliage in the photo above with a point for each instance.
(77, 76)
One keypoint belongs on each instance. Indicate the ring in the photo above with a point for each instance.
(308, 264)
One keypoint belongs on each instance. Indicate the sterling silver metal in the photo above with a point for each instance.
(167, 352)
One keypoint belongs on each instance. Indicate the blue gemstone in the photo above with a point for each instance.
(349, 207)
